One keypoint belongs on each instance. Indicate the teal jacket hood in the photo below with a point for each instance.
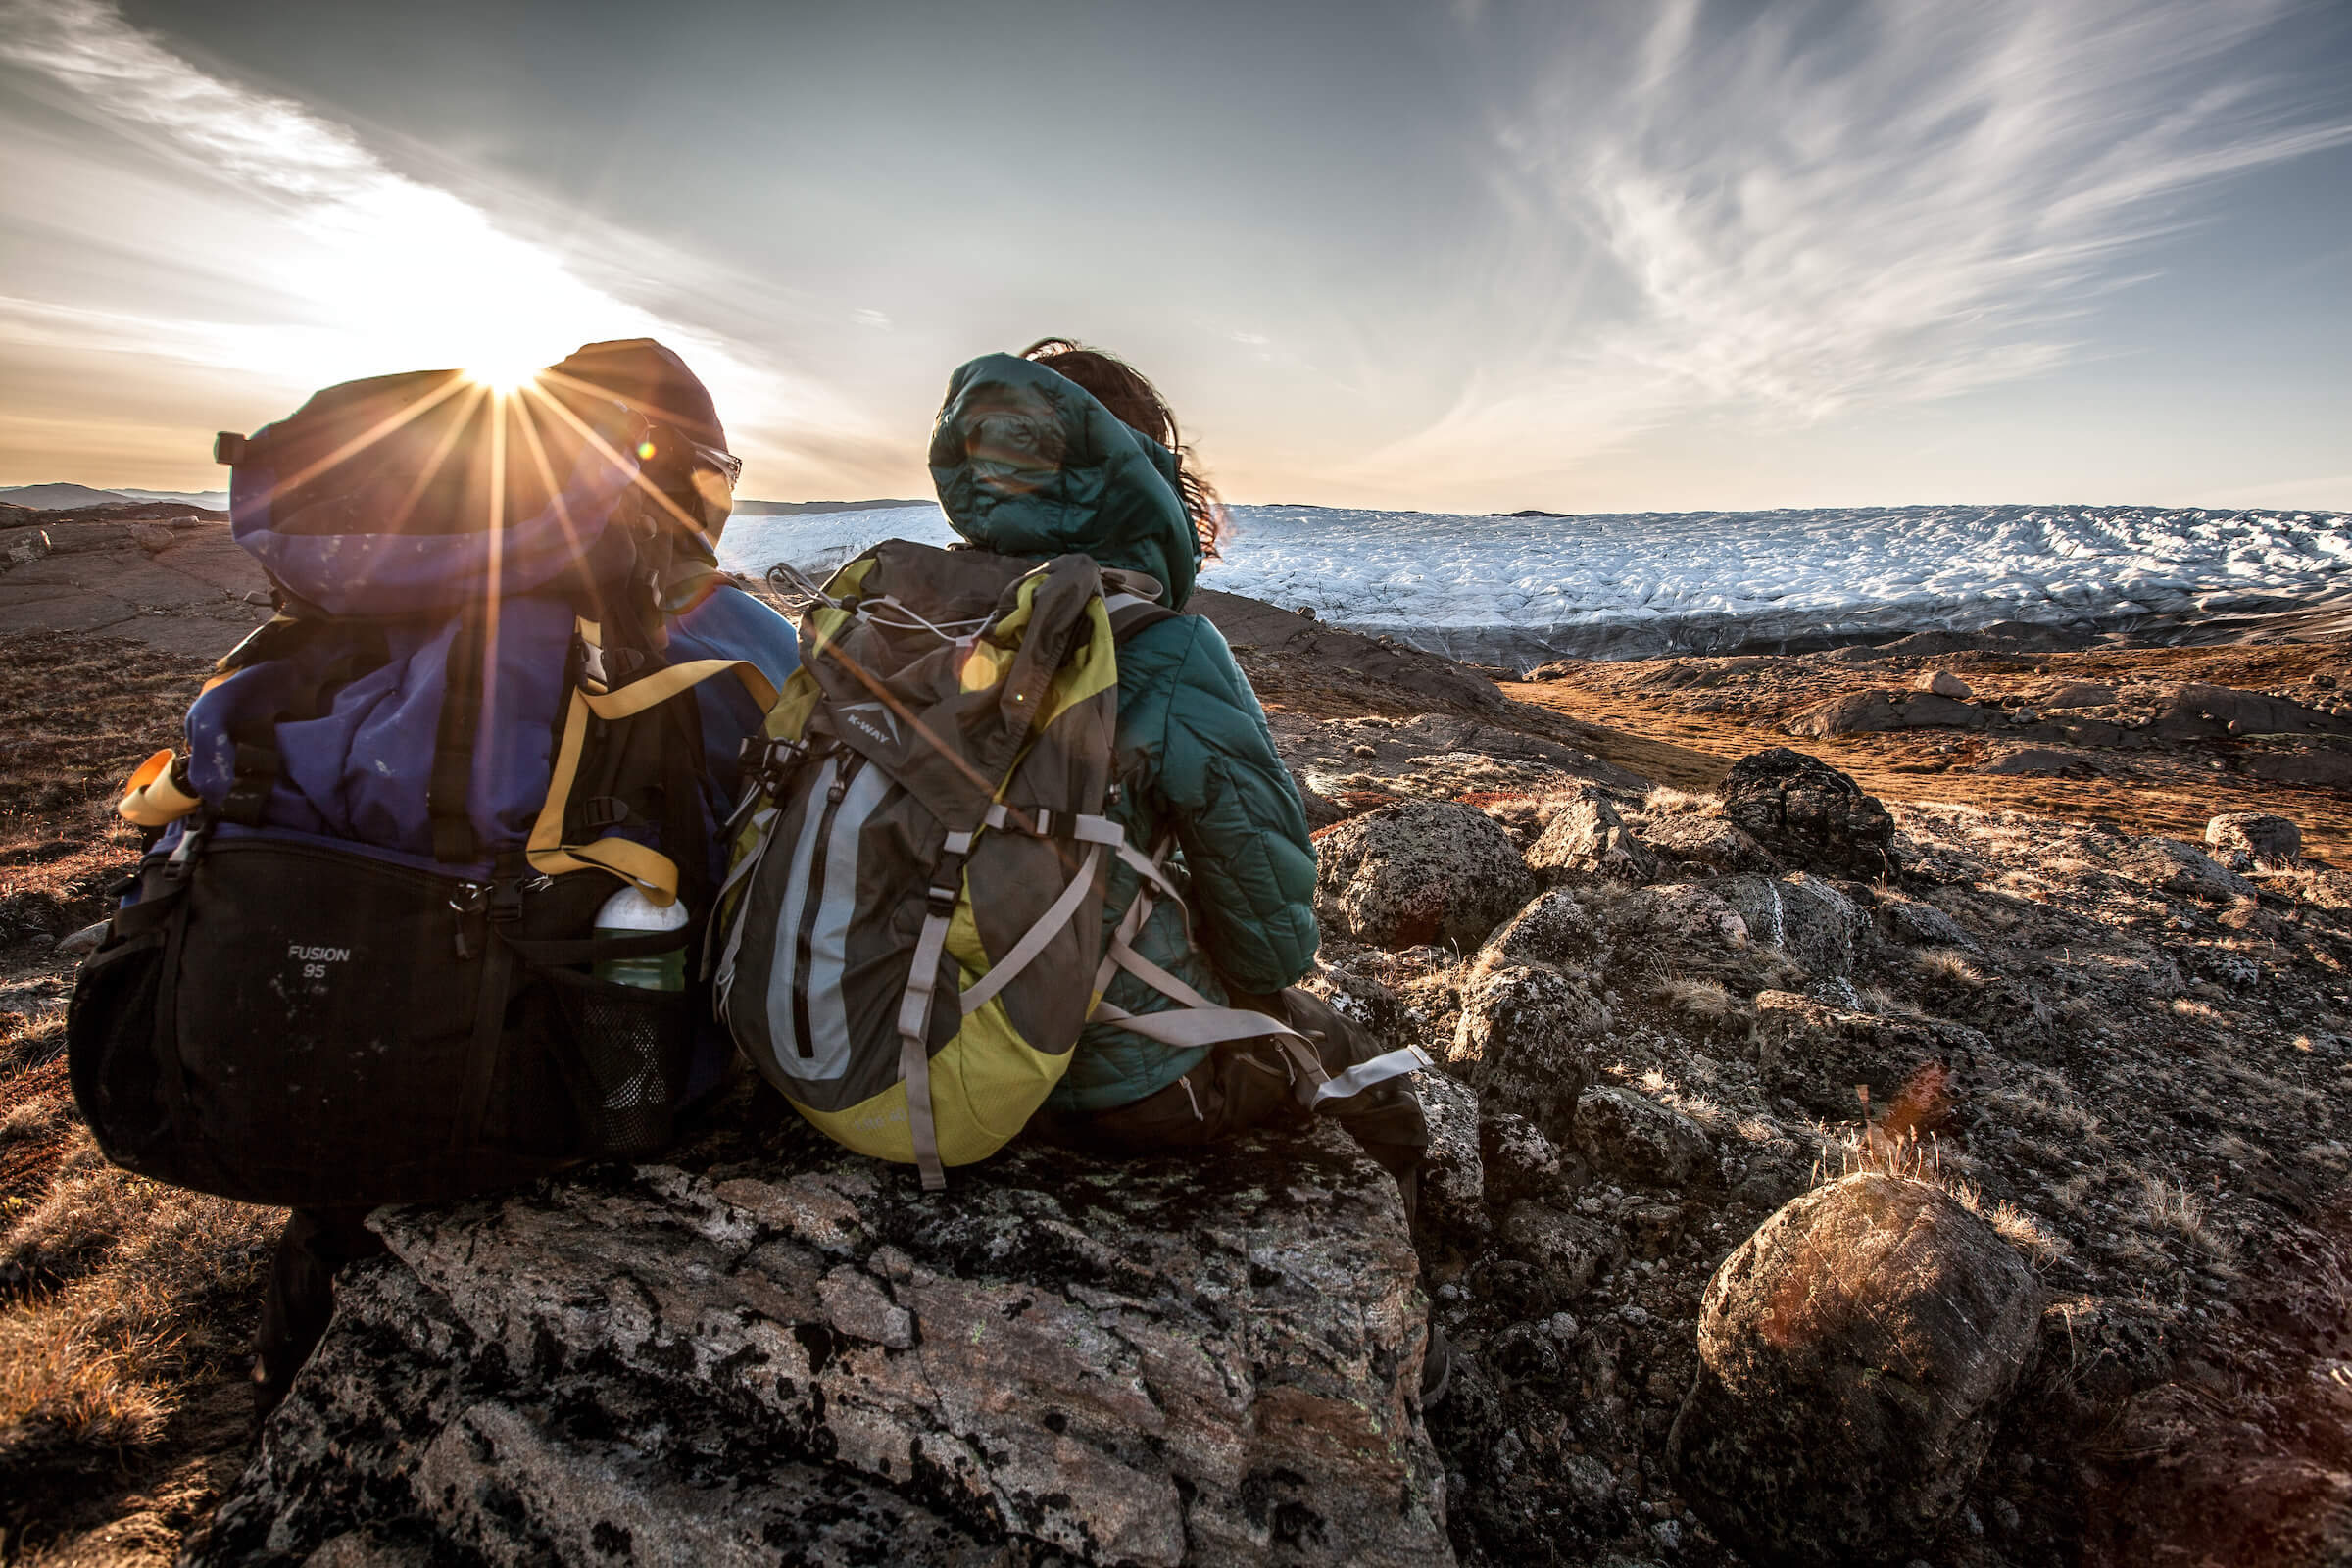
(1029, 462)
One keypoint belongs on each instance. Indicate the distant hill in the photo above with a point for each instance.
(784, 509)
(60, 495)
(50, 497)
(210, 499)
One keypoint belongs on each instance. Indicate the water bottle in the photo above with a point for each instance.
(630, 913)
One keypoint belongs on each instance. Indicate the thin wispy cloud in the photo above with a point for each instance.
(1808, 207)
(366, 270)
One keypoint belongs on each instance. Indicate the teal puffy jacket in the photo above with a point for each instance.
(1195, 757)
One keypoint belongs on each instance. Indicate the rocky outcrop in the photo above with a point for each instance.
(1524, 1042)
(1808, 813)
(792, 1354)
(1709, 843)
(1275, 641)
(1418, 872)
(1855, 1356)
(1633, 1137)
(1559, 928)
(1826, 1058)
(1817, 926)
(1586, 836)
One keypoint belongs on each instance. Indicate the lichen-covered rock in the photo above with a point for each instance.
(1570, 1250)
(2266, 839)
(800, 1357)
(1818, 1055)
(1808, 813)
(1559, 928)
(2184, 870)
(1524, 1042)
(1817, 926)
(1454, 1177)
(1678, 927)
(1586, 836)
(1364, 997)
(1416, 872)
(1633, 1137)
(1519, 1161)
(1856, 1355)
(1692, 838)
(1920, 923)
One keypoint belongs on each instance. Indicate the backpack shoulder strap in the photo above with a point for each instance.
(1131, 614)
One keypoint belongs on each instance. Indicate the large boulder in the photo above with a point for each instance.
(1708, 842)
(1808, 813)
(1821, 1056)
(1559, 929)
(1524, 1040)
(1586, 836)
(2261, 837)
(1855, 1354)
(1817, 926)
(792, 1354)
(1418, 872)
(1684, 928)
(1636, 1139)
(1454, 1177)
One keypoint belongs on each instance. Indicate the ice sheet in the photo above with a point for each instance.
(1519, 590)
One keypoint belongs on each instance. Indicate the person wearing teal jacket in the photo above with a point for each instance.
(1195, 763)
(1193, 758)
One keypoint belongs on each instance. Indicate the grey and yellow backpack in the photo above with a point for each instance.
(912, 926)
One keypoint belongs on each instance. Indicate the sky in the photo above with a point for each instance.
(1462, 256)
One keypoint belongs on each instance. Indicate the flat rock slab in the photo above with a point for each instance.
(801, 1357)
(183, 586)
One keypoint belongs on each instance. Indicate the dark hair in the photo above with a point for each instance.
(1121, 388)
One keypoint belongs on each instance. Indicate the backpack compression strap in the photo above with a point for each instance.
(656, 873)
(1197, 1022)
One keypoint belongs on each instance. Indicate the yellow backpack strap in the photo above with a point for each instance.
(654, 872)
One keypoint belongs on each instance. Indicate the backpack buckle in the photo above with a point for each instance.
(941, 901)
(769, 760)
(603, 811)
(590, 660)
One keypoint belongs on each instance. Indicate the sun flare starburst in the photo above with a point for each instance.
(503, 374)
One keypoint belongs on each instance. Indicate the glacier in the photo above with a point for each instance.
(1514, 590)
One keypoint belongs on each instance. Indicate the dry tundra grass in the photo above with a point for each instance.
(126, 1308)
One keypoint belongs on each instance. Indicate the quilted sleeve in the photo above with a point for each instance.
(1239, 822)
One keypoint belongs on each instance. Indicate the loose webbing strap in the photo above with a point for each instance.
(153, 797)
(1373, 1070)
(452, 778)
(915, 1009)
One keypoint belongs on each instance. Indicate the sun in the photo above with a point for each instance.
(504, 374)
